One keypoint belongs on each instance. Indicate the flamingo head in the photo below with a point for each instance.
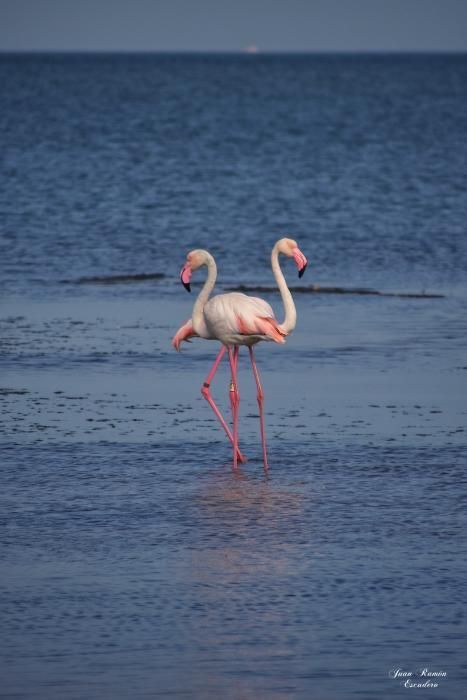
(194, 260)
(289, 247)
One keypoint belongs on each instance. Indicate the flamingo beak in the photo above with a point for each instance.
(185, 276)
(300, 261)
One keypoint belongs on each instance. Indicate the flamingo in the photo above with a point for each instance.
(237, 319)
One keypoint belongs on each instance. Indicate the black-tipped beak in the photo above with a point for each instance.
(185, 275)
(300, 261)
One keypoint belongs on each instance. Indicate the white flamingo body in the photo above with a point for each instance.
(237, 319)
(233, 319)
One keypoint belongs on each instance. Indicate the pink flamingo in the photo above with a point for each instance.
(237, 319)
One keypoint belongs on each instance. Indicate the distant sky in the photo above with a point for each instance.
(232, 25)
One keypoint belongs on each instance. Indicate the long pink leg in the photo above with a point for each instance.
(260, 397)
(207, 395)
(234, 400)
(236, 354)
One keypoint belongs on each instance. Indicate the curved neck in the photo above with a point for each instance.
(197, 315)
(290, 319)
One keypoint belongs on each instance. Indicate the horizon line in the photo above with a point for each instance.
(236, 52)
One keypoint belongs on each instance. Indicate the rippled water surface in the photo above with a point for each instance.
(135, 563)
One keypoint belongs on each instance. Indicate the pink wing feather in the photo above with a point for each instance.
(261, 325)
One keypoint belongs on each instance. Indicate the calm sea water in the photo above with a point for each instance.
(134, 562)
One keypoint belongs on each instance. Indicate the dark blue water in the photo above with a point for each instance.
(134, 562)
(119, 163)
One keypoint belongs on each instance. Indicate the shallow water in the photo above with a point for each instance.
(152, 570)
(135, 563)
